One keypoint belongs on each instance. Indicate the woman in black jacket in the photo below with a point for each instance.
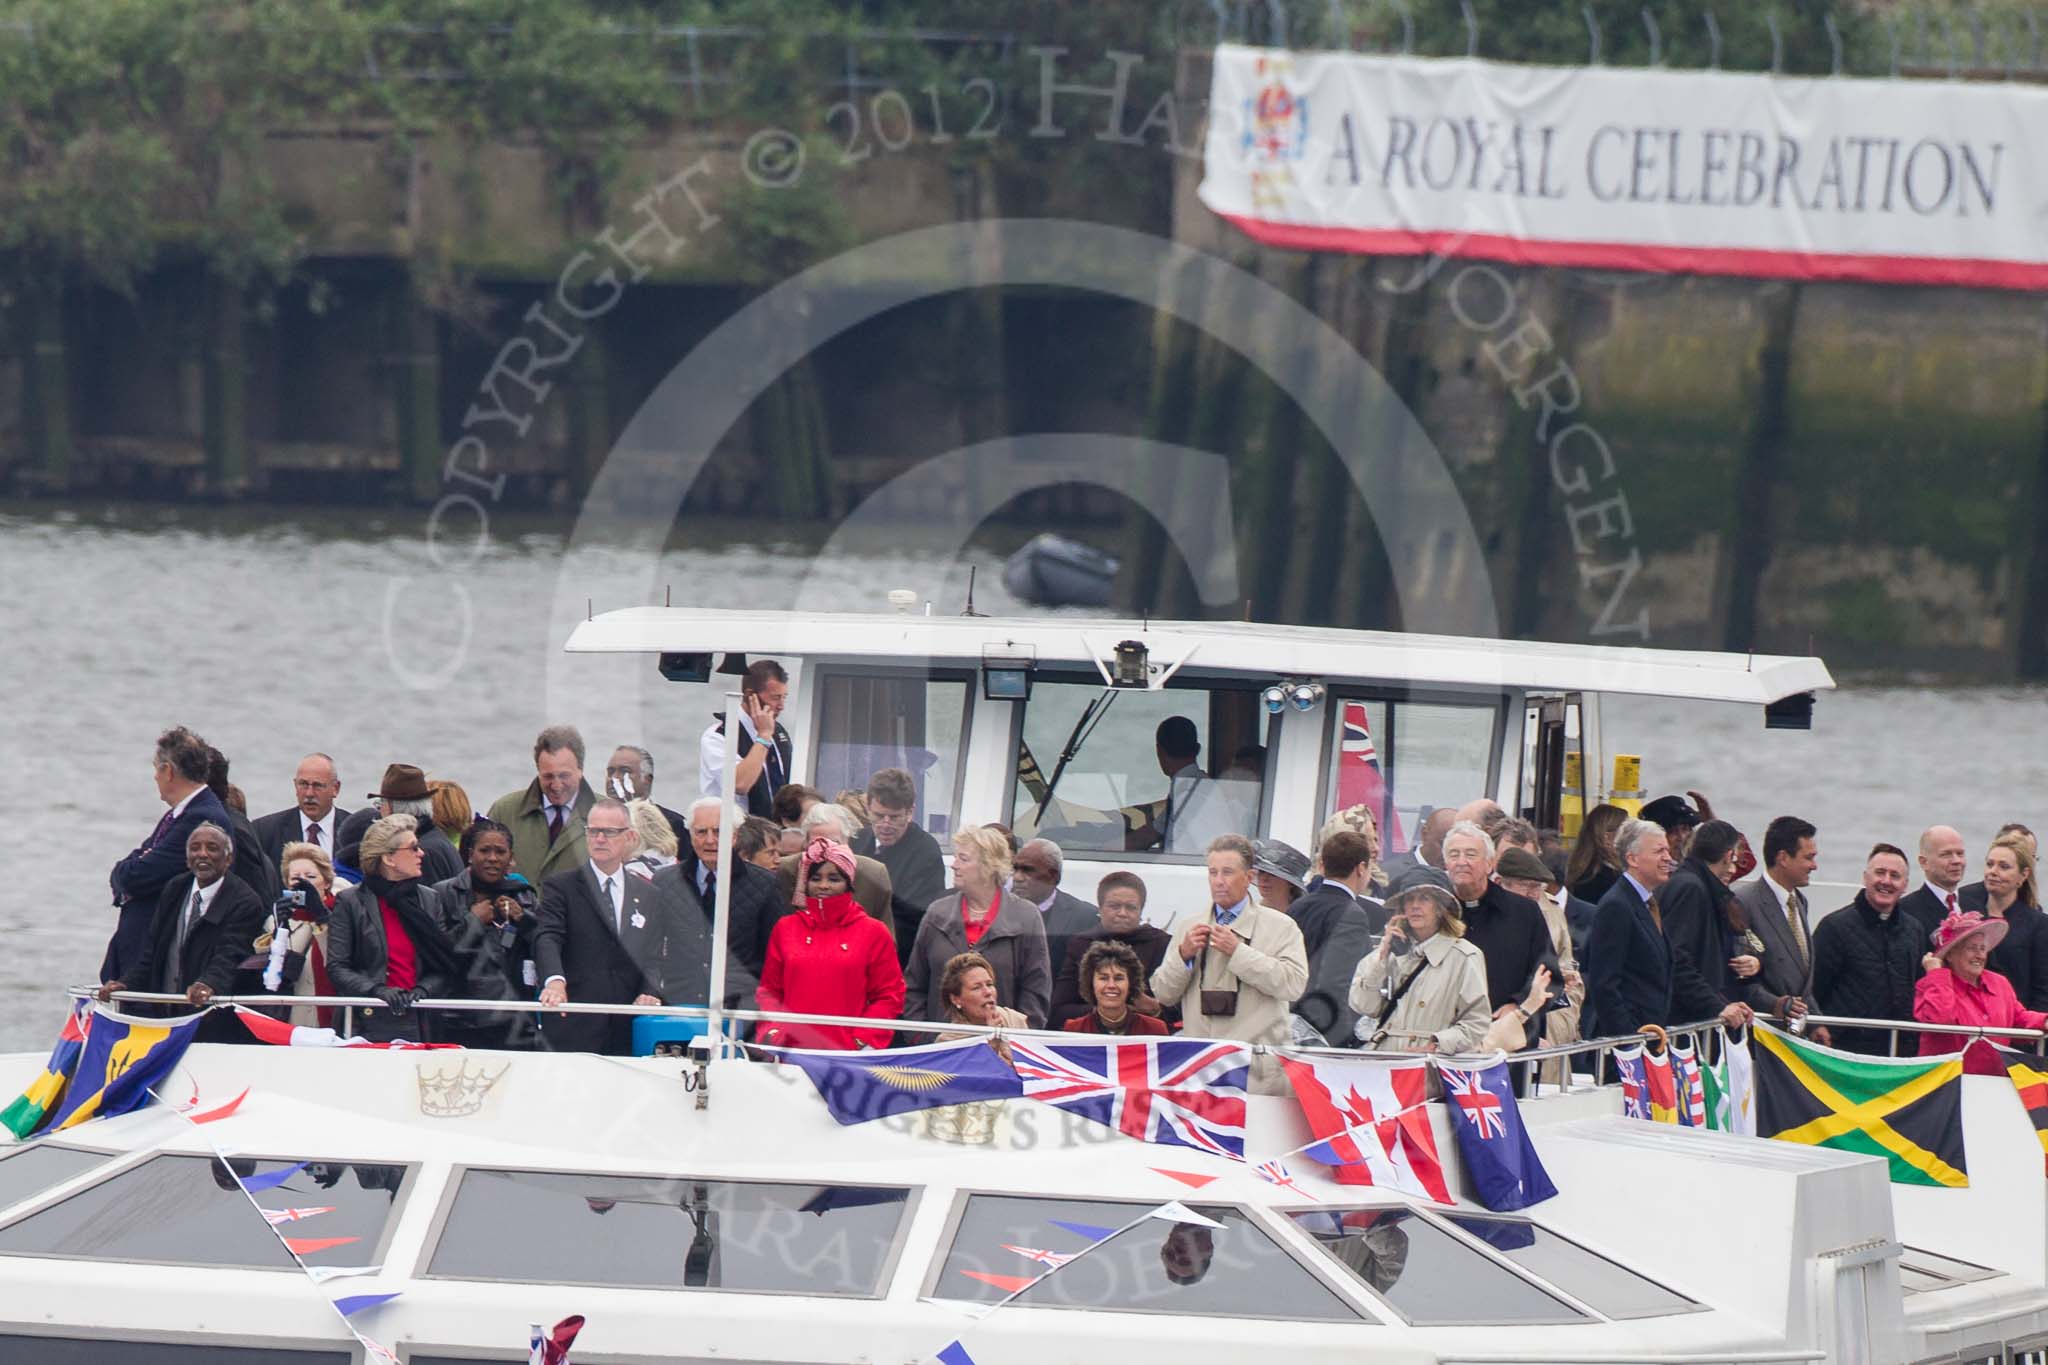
(385, 938)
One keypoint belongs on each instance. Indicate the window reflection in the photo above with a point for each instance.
(71, 1351)
(1429, 1276)
(1591, 1279)
(1005, 1242)
(1404, 757)
(868, 722)
(655, 1233)
(191, 1210)
(1150, 771)
(32, 1170)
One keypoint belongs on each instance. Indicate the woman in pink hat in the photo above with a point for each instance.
(829, 956)
(1961, 991)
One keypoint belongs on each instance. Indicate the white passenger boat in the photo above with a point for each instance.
(699, 1210)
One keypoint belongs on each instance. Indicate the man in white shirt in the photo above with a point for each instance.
(764, 746)
(313, 819)
(1197, 809)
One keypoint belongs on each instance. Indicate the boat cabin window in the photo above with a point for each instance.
(871, 721)
(1921, 1271)
(1134, 1264)
(1144, 772)
(1403, 758)
(31, 1170)
(103, 1351)
(653, 1233)
(1430, 1277)
(190, 1210)
(1593, 1280)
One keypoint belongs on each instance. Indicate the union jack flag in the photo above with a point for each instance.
(1182, 1092)
(276, 1216)
(1053, 1259)
(1273, 1173)
(1359, 779)
(1474, 1100)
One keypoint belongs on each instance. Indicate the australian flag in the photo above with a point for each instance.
(858, 1086)
(1500, 1164)
(1183, 1092)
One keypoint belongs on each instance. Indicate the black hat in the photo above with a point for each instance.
(1672, 812)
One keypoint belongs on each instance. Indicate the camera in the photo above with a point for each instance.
(291, 898)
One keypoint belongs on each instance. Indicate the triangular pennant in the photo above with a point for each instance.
(956, 1354)
(257, 1184)
(352, 1304)
(1173, 1211)
(225, 1111)
(306, 1246)
(1088, 1230)
(1187, 1178)
(1009, 1284)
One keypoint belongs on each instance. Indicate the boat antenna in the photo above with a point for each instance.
(970, 611)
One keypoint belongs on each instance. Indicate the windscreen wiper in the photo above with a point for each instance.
(1091, 716)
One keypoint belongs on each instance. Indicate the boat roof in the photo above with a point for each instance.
(1252, 647)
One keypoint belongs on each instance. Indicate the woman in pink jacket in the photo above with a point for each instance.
(829, 956)
(1961, 991)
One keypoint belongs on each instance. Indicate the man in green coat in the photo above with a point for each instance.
(546, 818)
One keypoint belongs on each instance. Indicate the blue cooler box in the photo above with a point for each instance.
(651, 1032)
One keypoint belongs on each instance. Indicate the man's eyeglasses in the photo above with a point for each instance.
(607, 831)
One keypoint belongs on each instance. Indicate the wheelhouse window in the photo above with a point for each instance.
(31, 1170)
(1591, 1279)
(191, 1210)
(1431, 1277)
(871, 721)
(1157, 772)
(1134, 1264)
(1404, 758)
(653, 1233)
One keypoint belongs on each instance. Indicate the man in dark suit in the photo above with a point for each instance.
(1776, 906)
(138, 880)
(1634, 976)
(314, 819)
(763, 745)
(205, 925)
(629, 775)
(754, 899)
(917, 867)
(1943, 863)
(1507, 928)
(598, 941)
(262, 874)
(1035, 877)
(1692, 906)
(1339, 926)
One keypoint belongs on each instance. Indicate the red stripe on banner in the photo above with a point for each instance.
(1664, 260)
(1009, 1284)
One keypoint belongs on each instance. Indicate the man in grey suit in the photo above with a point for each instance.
(1035, 876)
(1776, 905)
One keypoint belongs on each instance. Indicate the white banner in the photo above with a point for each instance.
(1726, 173)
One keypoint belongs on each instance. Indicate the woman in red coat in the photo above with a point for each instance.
(1110, 972)
(829, 956)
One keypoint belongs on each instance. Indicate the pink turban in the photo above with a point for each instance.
(823, 850)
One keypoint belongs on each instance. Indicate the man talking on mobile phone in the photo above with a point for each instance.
(764, 747)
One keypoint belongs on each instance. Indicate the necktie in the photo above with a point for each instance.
(312, 834)
(1951, 902)
(1656, 915)
(613, 901)
(161, 825)
(1798, 926)
(710, 888)
(185, 924)
(554, 823)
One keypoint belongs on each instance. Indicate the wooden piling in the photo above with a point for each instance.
(46, 418)
(1746, 553)
(416, 342)
(224, 388)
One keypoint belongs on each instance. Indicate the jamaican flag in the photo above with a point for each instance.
(1908, 1111)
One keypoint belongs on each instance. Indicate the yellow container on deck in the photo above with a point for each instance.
(1627, 791)
(1571, 809)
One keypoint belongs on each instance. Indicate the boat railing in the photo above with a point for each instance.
(1584, 1061)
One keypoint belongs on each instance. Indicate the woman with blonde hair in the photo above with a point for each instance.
(1424, 988)
(1007, 931)
(657, 837)
(2012, 897)
(386, 939)
(309, 868)
(453, 814)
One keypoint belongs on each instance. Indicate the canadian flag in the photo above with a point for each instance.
(1373, 1120)
(280, 1034)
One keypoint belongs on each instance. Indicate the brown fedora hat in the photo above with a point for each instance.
(402, 782)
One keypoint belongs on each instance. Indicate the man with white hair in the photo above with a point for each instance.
(1035, 876)
(1633, 975)
(1506, 927)
(692, 883)
(872, 887)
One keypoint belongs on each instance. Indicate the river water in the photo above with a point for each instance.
(274, 631)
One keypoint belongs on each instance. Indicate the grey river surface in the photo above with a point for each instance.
(274, 631)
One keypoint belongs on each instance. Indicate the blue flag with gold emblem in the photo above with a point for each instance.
(124, 1058)
(858, 1086)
